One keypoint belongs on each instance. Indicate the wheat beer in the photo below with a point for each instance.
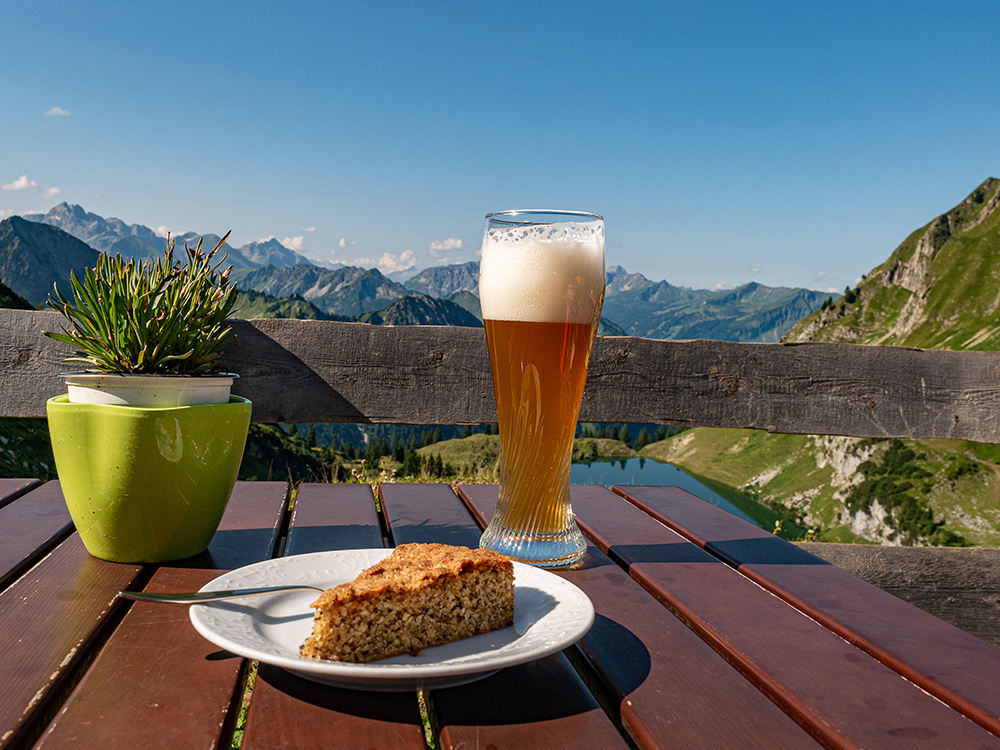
(541, 285)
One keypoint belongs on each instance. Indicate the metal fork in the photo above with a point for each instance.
(196, 597)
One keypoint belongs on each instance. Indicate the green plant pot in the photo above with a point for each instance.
(147, 484)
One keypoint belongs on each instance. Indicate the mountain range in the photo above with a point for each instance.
(39, 251)
(135, 240)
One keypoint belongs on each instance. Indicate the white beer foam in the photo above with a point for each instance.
(549, 273)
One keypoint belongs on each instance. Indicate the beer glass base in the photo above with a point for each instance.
(550, 551)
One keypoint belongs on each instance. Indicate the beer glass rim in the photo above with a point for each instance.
(557, 216)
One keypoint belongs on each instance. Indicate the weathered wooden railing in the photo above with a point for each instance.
(311, 371)
(316, 371)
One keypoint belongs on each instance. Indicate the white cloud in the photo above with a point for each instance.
(56, 112)
(344, 243)
(755, 268)
(622, 245)
(21, 183)
(440, 248)
(390, 263)
(269, 237)
(832, 290)
(307, 229)
(161, 231)
(6, 213)
(723, 287)
(293, 243)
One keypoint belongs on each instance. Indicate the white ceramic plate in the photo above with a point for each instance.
(549, 615)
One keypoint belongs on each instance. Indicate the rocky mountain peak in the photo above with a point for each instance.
(942, 278)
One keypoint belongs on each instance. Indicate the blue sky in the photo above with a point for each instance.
(789, 143)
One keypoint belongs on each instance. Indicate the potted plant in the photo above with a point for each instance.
(148, 440)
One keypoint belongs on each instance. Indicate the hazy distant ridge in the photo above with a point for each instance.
(634, 305)
(135, 240)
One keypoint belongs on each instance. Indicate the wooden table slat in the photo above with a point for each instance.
(67, 597)
(156, 665)
(952, 665)
(30, 526)
(290, 712)
(568, 716)
(250, 528)
(13, 488)
(339, 516)
(642, 652)
(842, 696)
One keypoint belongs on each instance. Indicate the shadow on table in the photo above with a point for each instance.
(768, 550)
(611, 643)
(385, 707)
(463, 535)
(669, 552)
(541, 690)
(231, 548)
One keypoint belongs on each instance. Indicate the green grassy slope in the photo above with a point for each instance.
(939, 289)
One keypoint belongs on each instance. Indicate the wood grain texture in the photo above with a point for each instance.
(544, 703)
(948, 663)
(290, 712)
(12, 488)
(840, 695)
(157, 683)
(341, 516)
(30, 362)
(67, 597)
(669, 685)
(321, 371)
(956, 584)
(249, 530)
(30, 526)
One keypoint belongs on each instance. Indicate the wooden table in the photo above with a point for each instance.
(710, 633)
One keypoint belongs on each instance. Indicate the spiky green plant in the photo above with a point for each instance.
(155, 317)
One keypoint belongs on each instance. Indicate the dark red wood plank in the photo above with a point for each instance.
(30, 526)
(327, 517)
(11, 488)
(669, 685)
(504, 710)
(841, 695)
(289, 712)
(249, 530)
(427, 513)
(952, 665)
(157, 682)
(49, 619)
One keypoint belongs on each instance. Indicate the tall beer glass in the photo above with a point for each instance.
(541, 286)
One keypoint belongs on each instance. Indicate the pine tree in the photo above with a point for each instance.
(624, 436)
(411, 464)
(642, 440)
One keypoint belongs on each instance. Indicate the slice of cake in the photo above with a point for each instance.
(421, 595)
